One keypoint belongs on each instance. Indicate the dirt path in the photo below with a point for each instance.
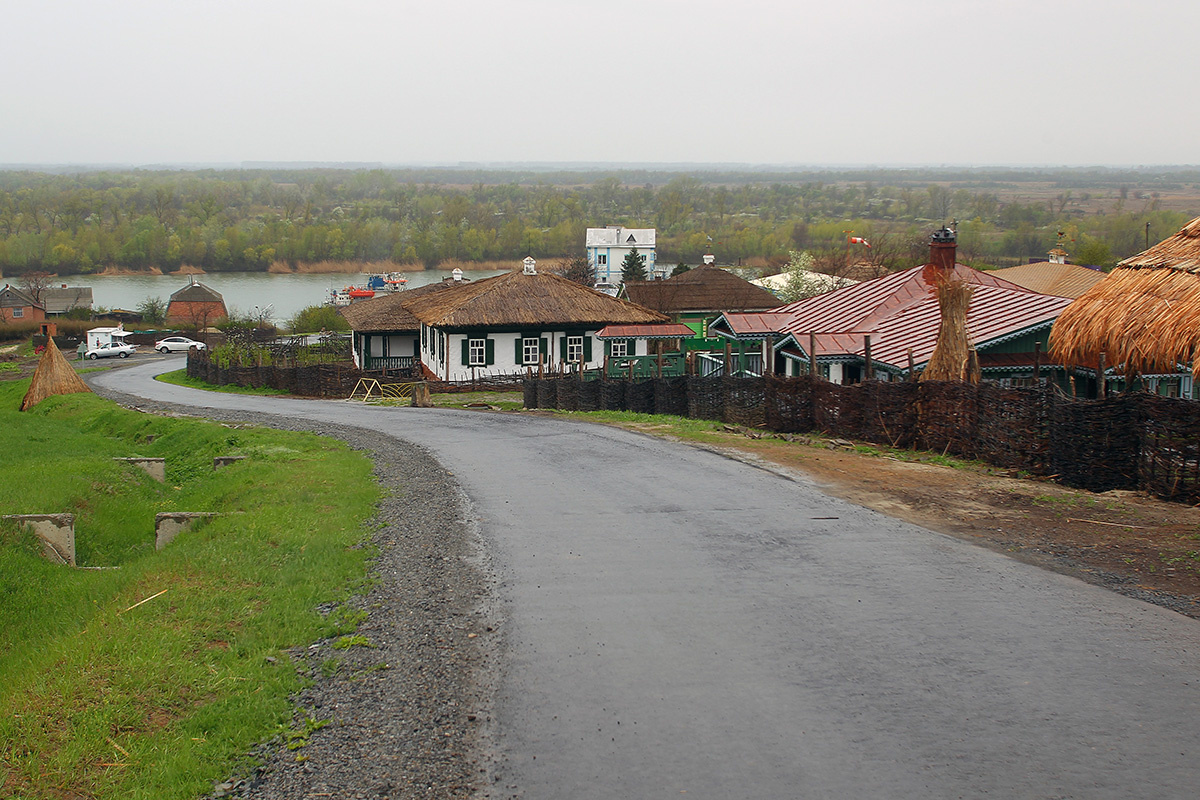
(1127, 541)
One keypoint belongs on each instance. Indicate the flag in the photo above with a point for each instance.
(859, 240)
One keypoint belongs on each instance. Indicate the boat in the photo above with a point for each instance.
(359, 293)
(387, 282)
(338, 298)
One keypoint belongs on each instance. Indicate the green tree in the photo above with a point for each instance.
(633, 268)
(318, 318)
(153, 310)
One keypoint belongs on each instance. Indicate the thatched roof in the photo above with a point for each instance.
(52, 376)
(704, 289)
(517, 299)
(1144, 315)
(1047, 277)
(388, 312)
(196, 292)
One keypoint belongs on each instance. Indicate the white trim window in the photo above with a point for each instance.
(18, 313)
(619, 348)
(601, 260)
(477, 352)
(574, 349)
(530, 350)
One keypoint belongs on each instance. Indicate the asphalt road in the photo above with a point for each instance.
(680, 622)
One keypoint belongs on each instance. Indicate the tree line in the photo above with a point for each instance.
(246, 220)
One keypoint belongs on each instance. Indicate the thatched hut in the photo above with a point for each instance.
(1144, 316)
(52, 376)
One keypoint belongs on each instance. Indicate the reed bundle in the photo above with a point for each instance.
(52, 376)
(952, 355)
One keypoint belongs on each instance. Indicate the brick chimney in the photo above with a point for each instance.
(943, 247)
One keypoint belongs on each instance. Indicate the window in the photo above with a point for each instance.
(601, 260)
(619, 348)
(529, 350)
(477, 352)
(18, 313)
(574, 349)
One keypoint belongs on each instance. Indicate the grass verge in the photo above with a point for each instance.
(104, 697)
(180, 378)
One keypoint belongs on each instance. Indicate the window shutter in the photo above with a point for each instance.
(489, 350)
(544, 347)
(587, 347)
(607, 348)
(562, 348)
(519, 356)
(466, 351)
(631, 347)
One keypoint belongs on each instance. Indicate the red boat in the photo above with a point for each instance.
(358, 293)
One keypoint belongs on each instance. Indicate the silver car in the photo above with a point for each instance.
(119, 349)
(175, 344)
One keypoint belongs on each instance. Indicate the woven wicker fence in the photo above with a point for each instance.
(1124, 442)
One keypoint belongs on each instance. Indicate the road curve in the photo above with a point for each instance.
(679, 622)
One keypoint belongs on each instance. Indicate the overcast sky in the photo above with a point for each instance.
(885, 82)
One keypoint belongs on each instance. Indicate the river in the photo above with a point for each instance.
(244, 292)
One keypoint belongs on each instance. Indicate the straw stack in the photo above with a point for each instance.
(951, 359)
(52, 376)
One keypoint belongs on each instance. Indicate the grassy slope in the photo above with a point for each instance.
(103, 700)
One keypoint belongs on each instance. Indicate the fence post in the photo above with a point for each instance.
(812, 355)
(1037, 363)
(912, 369)
(728, 363)
(1100, 388)
(868, 373)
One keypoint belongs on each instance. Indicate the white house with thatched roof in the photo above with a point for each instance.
(523, 319)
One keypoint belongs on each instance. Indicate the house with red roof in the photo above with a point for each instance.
(892, 323)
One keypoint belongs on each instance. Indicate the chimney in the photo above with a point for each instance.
(530, 266)
(709, 258)
(942, 250)
(457, 275)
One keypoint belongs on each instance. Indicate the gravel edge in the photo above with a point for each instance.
(411, 714)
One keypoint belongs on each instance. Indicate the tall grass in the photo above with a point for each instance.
(103, 698)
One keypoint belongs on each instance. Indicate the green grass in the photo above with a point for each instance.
(102, 699)
(180, 378)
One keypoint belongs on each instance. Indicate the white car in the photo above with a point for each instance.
(119, 349)
(175, 344)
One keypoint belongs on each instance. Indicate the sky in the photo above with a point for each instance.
(853, 82)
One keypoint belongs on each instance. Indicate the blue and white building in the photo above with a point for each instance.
(608, 246)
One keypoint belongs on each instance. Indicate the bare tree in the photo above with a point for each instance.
(35, 285)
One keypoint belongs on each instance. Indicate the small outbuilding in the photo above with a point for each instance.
(18, 306)
(196, 306)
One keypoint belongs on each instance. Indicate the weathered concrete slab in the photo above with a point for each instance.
(155, 467)
(225, 461)
(57, 532)
(170, 524)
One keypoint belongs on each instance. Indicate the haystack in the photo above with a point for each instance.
(952, 355)
(52, 376)
(1144, 315)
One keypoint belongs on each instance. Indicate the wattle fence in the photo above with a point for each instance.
(1128, 441)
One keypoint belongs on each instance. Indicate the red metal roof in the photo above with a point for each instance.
(668, 330)
(900, 311)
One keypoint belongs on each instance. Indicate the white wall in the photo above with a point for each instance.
(451, 368)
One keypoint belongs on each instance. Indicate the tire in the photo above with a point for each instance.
(92, 356)
(164, 350)
(123, 355)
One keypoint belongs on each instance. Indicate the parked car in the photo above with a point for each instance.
(175, 344)
(109, 349)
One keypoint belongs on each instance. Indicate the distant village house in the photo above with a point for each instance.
(607, 248)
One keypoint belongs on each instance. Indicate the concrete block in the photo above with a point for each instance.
(155, 467)
(57, 532)
(170, 524)
(225, 461)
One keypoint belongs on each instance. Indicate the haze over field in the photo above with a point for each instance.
(667, 81)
